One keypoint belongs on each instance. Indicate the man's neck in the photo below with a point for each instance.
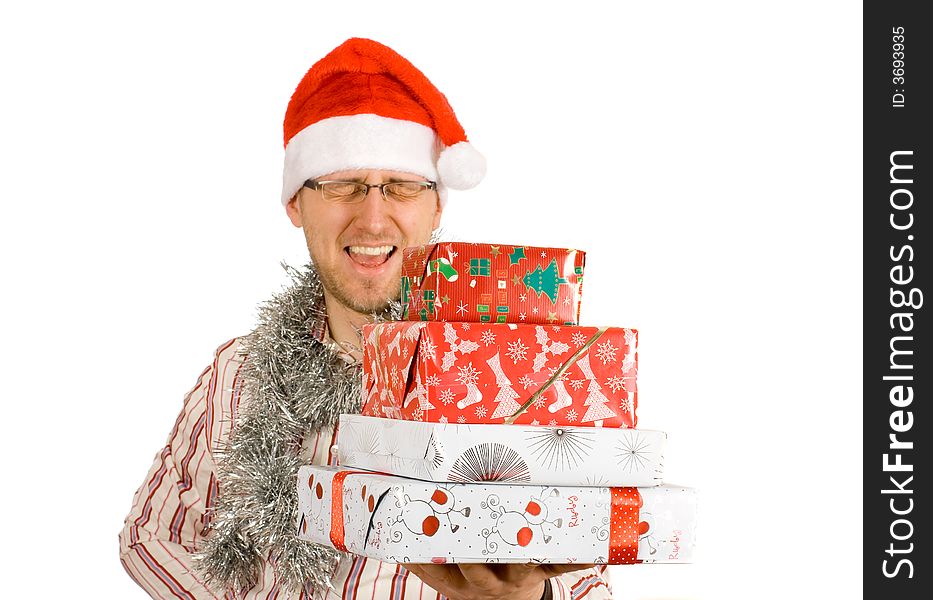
(343, 326)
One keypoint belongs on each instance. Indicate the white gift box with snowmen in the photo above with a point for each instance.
(397, 519)
(507, 454)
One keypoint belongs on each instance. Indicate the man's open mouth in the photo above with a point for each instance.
(370, 256)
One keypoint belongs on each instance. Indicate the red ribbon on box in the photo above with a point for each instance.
(337, 532)
(624, 525)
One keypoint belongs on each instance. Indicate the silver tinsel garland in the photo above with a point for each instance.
(292, 386)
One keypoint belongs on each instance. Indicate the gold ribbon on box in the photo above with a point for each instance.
(557, 374)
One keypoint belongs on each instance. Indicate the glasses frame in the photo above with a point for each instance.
(318, 186)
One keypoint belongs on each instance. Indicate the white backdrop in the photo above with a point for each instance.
(141, 156)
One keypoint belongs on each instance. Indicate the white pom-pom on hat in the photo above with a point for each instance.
(461, 167)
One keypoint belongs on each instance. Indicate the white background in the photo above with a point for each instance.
(706, 155)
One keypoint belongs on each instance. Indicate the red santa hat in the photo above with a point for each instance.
(363, 106)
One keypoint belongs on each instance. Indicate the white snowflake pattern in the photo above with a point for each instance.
(468, 375)
(578, 339)
(516, 351)
(442, 420)
(418, 414)
(481, 412)
(525, 381)
(535, 422)
(616, 383)
(446, 396)
(571, 415)
(606, 352)
(461, 420)
(577, 383)
(538, 402)
(428, 350)
(521, 316)
(534, 309)
(462, 308)
(552, 422)
(432, 381)
(465, 326)
(627, 405)
(543, 254)
(523, 297)
(453, 254)
(488, 338)
(567, 301)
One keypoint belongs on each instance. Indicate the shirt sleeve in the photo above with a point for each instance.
(168, 515)
(590, 583)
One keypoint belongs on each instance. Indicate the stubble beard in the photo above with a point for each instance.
(370, 301)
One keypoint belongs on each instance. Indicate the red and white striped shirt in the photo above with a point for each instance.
(167, 519)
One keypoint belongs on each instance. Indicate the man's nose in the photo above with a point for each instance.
(374, 212)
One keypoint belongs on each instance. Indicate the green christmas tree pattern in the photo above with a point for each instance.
(545, 281)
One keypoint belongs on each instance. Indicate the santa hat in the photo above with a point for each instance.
(363, 106)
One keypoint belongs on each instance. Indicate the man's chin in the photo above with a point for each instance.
(371, 307)
(367, 301)
(362, 295)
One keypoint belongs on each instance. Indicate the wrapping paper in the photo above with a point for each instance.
(503, 454)
(405, 520)
(492, 283)
(485, 372)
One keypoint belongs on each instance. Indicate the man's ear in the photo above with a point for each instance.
(293, 209)
(437, 215)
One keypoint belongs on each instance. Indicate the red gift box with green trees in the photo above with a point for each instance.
(492, 283)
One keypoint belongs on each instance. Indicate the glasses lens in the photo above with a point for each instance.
(406, 191)
(343, 191)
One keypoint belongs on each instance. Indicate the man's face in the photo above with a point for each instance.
(357, 248)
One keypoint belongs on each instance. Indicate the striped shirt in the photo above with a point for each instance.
(168, 517)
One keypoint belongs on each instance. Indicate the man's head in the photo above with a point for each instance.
(364, 114)
(356, 242)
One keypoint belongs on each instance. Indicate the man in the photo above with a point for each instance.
(371, 148)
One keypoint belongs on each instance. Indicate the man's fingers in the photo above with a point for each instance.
(479, 574)
(553, 570)
(517, 572)
(440, 577)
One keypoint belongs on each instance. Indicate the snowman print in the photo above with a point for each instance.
(421, 517)
(646, 532)
(519, 528)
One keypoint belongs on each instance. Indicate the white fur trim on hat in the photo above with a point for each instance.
(364, 141)
(461, 167)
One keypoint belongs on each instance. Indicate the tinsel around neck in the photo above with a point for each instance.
(292, 385)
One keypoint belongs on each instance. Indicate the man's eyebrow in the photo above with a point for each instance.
(389, 180)
(397, 179)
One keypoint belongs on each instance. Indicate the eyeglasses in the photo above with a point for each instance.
(351, 192)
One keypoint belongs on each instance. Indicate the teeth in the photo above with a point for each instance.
(371, 251)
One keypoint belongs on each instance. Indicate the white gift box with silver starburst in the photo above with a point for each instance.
(397, 519)
(504, 454)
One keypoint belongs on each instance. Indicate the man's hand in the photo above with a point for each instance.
(490, 581)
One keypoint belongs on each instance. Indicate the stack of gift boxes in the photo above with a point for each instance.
(495, 428)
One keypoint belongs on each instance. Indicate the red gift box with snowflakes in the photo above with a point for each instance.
(492, 283)
(455, 372)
